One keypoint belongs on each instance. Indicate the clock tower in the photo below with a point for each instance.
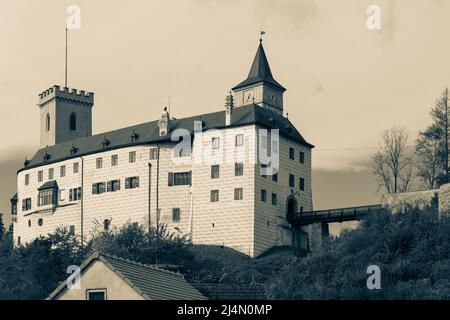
(260, 87)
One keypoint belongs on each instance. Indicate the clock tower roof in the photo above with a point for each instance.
(260, 71)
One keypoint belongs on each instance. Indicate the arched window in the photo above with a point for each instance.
(47, 122)
(73, 122)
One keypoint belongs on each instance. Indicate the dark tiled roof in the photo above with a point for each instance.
(148, 133)
(260, 71)
(49, 185)
(233, 291)
(14, 197)
(150, 282)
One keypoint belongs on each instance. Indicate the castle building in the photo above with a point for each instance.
(230, 177)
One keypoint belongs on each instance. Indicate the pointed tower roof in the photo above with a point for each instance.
(260, 71)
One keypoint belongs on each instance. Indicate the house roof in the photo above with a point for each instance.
(260, 71)
(150, 282)
(148, 133)
(49, 185)
(233, 291)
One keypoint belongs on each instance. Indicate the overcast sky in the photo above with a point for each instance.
(345, 83)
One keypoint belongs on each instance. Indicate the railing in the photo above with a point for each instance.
(333, 215)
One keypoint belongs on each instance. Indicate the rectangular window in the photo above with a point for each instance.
(27, 179)
(51, 174)
(96, 294)
(62, 171)
(215, 171)
(238, 193)
(180, 178)
(98, 188)
(239, 140)
(274, 199)
(214, 195)
(26, 204)
(72, 229)
(176, 214)
(275, 177)
(75, 194)
(302, 184)
(99, 163)
(40, 176)
(291, 181)
(215, 143)
(76, 167)
(61, 195)
(302, 157)
(153, 153)
(238, 169)
(47, 196)
(291, 153)
(132, 157)
(263, 195)
(131, 182)
(114, 160)
(263, 170)
(113, 185)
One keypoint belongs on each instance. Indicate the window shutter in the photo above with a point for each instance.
(190, 178)
(118, 185)
(23, 205)
(170, 179)
(127, 183)
(70, 195)
(137, 182)
(108, 188)
(94, 189)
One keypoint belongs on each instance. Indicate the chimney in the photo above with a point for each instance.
(229, 105)
(163, 123)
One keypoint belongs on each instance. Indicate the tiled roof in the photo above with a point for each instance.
(49, 185)
(150, 282)
(233, 291)
(148, 133)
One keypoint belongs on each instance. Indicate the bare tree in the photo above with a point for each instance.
(392, 164)
(428, 160)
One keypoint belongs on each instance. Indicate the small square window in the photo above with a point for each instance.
(27, 179)
(114, 160)
(274, 199)
(214, 195)
(263, 195)
(51, 174)
(239, 140)
(275, 177)
(176, 214)
(302, 157)
(40, 176)
(99, 163)
(153, 153)
(76, 167)
(97, 294)
(215, 171)
(238, 169)
(62, 171)
(238, 193)
(132, 156)
(215, 143)
(292, 153)
(291, 181)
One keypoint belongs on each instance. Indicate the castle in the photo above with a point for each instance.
(227, 178)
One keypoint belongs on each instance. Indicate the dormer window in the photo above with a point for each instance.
(73, 150)
(106, 143)
(47, 156)
(134, 136)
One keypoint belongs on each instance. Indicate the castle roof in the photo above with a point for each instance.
(148, 133)
(259, 72)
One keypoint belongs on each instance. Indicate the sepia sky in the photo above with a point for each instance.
(345, 83)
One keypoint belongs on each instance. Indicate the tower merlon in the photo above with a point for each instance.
(69, 94)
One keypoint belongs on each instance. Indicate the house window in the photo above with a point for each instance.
(238, 169)
(215, 171)
(114, 160)
(76, 167)
(239, 140)
(40, 222)
(132, 157)
(13, 207)
(275, 177)
(176, 214)
(97, 294)
(214, 195)
(62, 171)
(238, 193)
(153, 153)
(263, 195)
(263, 170)
(99, 163)
(27, 179)
(302, 157)
(180, 178)
(98, 188)
(215, 143)
(73, 122)
(274, 199)
(47, 122)
(72, 229)
(106, 224)
(291, 153)
(131, 182)
(291, 181)
(47, 196)
(75, 194)
(113, 186)
(19, 242)
(51, 174)
(26, 204)
(29, 223)
(302, 184)
(40, 176)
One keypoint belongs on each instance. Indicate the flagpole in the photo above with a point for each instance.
(65, 71)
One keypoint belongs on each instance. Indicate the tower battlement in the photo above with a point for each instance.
(70, 94)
